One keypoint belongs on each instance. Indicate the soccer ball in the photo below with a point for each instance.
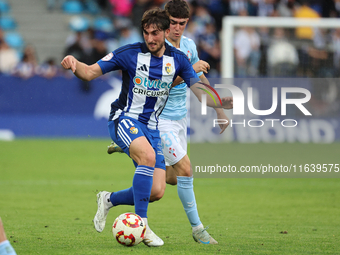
(128, 229)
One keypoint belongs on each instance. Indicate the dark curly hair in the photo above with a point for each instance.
(156, 17)
(178, 9)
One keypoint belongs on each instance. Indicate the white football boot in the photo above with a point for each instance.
(202, 236)
(151, 239)
(103, 209)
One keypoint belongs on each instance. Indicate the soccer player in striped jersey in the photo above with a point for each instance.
(173, 122)
(149, 70)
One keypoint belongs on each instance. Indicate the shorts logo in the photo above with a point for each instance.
(133, 130)
(168, 68)
(172, 151)
(108, 57)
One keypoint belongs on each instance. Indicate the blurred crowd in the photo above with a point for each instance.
(259, 52)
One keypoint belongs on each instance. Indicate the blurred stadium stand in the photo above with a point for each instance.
(47, 31)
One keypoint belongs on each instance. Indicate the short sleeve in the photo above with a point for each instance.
(111, 62)
(195, 57)
(186, 71)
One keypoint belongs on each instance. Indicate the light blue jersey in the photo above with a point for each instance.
(175, 108)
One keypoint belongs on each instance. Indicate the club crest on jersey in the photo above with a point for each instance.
(189, 55)
(133, 130)
(108, 57)
(168, 68)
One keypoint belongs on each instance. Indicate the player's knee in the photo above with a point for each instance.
(185, 170)
(149, 159)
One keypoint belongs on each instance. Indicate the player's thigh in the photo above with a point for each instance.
(142, 152)
(172, 145)
(129, 135)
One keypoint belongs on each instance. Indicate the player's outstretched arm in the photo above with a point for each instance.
(81, 70)
(219, 111)
(199, 89)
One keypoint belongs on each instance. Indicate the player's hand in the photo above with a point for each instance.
(227, 102)
(221, 116)
(69, 62)
(201, 66)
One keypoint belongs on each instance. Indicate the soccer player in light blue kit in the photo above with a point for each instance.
(5, 246)
(173, 124)
(149, 70)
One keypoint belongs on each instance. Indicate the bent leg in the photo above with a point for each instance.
(158, 186)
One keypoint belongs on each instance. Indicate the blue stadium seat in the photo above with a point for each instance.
(7, 23)
(14, 40)
(103, 24)
(79, 23)
(4, 7)
(73, 7)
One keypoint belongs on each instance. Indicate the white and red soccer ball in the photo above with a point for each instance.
(128, 229)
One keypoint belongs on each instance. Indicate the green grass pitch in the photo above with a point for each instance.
(48, 192)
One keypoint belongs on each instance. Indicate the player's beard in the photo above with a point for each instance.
(155, 51)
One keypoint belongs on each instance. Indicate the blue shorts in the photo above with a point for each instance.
(125, 129)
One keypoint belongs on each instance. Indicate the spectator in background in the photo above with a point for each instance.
(305, 11)
(305, 35)
(121, 8)
(82, 38)
(8, 57)
(286, 8)
(139, 7)
(247, 51)
(48, 69)
(99, 49)
(218, 10)
(265, 8)
(282, 57)
(76, 48)
(328, 8)
(237, 6)
(319, 56)
(336, 48)
(27, 66)
(209, 46)
(128, 33)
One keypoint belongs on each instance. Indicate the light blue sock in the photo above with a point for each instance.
(185, 189)
(6, 248)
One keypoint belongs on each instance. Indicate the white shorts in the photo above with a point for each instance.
(174, 139)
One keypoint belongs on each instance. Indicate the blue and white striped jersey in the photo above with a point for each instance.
(147, 80)
(175, 108)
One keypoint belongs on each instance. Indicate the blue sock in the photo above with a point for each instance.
(185, 189)
(141, 185)
(122, 197)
